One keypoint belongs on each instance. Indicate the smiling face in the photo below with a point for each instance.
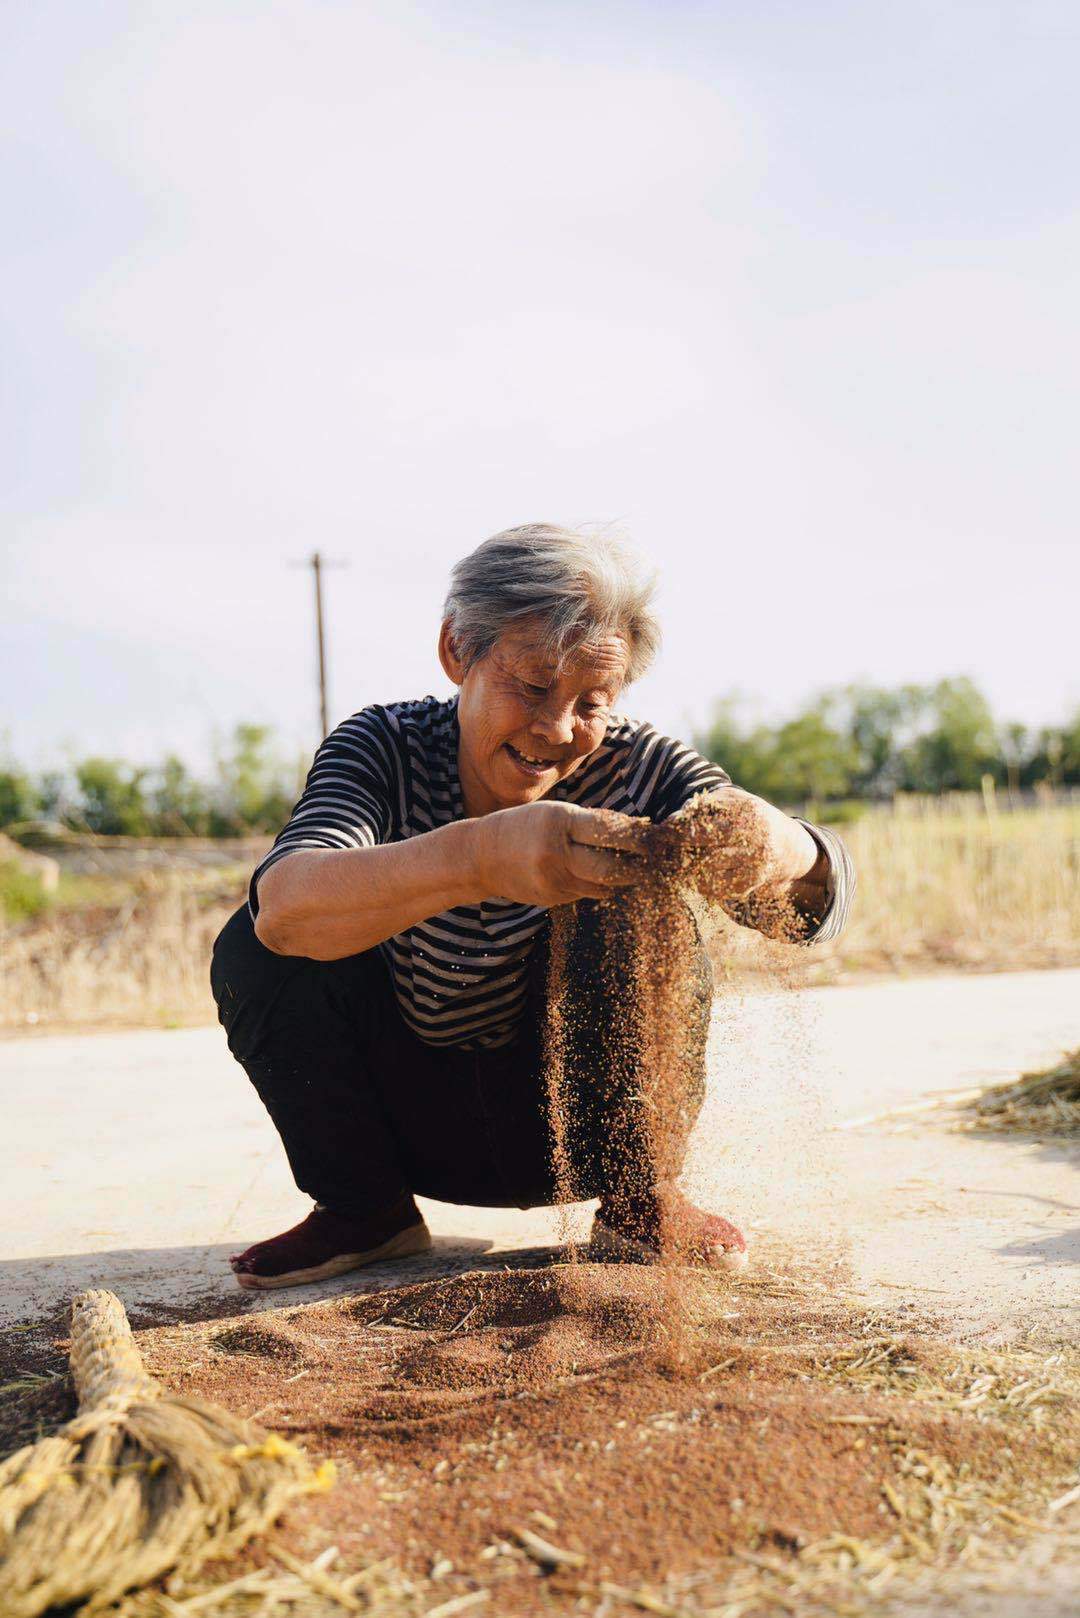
(526, 724)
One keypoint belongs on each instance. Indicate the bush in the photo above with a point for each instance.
(21, 894)
(18, 801)
(112, 797)
(845, 812)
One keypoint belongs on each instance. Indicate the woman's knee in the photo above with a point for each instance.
(244, 974)
(271, 1005)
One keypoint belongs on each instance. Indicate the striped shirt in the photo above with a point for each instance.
(390, 773)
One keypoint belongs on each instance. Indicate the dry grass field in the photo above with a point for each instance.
(942, 886)
(952, 886)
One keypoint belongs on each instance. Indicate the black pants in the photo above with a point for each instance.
(368, 1112)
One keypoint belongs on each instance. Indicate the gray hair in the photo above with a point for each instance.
(579, 587)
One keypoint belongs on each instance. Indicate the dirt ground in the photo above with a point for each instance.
(464, 1411)
(550, 1439)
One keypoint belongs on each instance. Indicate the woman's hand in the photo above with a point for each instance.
(550, 853)
(739, 844)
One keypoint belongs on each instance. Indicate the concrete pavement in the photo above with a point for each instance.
(138, 1161)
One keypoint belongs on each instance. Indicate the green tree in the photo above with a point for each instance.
(180, 803)
(111, 799)
(807, 757)
(18, 800)
(957, 744)
(1070, 749)
(54, 795)
(745, 753)
(811, 759)
(253, 789)
(880, 721)
(1054, 755)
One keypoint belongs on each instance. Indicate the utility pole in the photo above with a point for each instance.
(320, 636)
(317, 562)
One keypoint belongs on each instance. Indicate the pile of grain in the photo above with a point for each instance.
(510, 1435)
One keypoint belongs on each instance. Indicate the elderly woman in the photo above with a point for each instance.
(385, 987)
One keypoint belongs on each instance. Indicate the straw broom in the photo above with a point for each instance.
(141, 1481)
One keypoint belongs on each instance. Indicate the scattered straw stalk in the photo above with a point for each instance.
(1043, 1103)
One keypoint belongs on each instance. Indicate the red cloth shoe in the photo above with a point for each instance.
(639, 1228)
(326, 1243)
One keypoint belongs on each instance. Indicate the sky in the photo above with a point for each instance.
(787, 292)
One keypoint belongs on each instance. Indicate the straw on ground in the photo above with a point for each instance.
(138, 1483)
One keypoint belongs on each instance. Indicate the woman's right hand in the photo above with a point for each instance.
(552, 853)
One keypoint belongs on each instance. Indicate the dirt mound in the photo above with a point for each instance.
(270, 1342)
(618, 1299)
(521, 1332)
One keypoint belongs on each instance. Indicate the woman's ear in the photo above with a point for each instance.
(453, 667)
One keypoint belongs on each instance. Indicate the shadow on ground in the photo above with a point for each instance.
(1061, 1248)
(145, 1279)
(171, 1284)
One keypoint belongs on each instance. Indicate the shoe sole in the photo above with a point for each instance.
(608, 1243)
(416, 1239)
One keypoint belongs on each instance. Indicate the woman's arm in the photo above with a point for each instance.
(329, 903)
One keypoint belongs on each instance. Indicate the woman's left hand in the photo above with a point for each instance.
(744, 844)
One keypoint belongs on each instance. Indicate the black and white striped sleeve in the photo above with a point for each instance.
(352, 797)
(839, 887)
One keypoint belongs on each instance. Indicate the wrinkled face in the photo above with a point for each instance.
(525, 724)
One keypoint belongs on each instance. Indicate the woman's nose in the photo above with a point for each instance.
(554, 721)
